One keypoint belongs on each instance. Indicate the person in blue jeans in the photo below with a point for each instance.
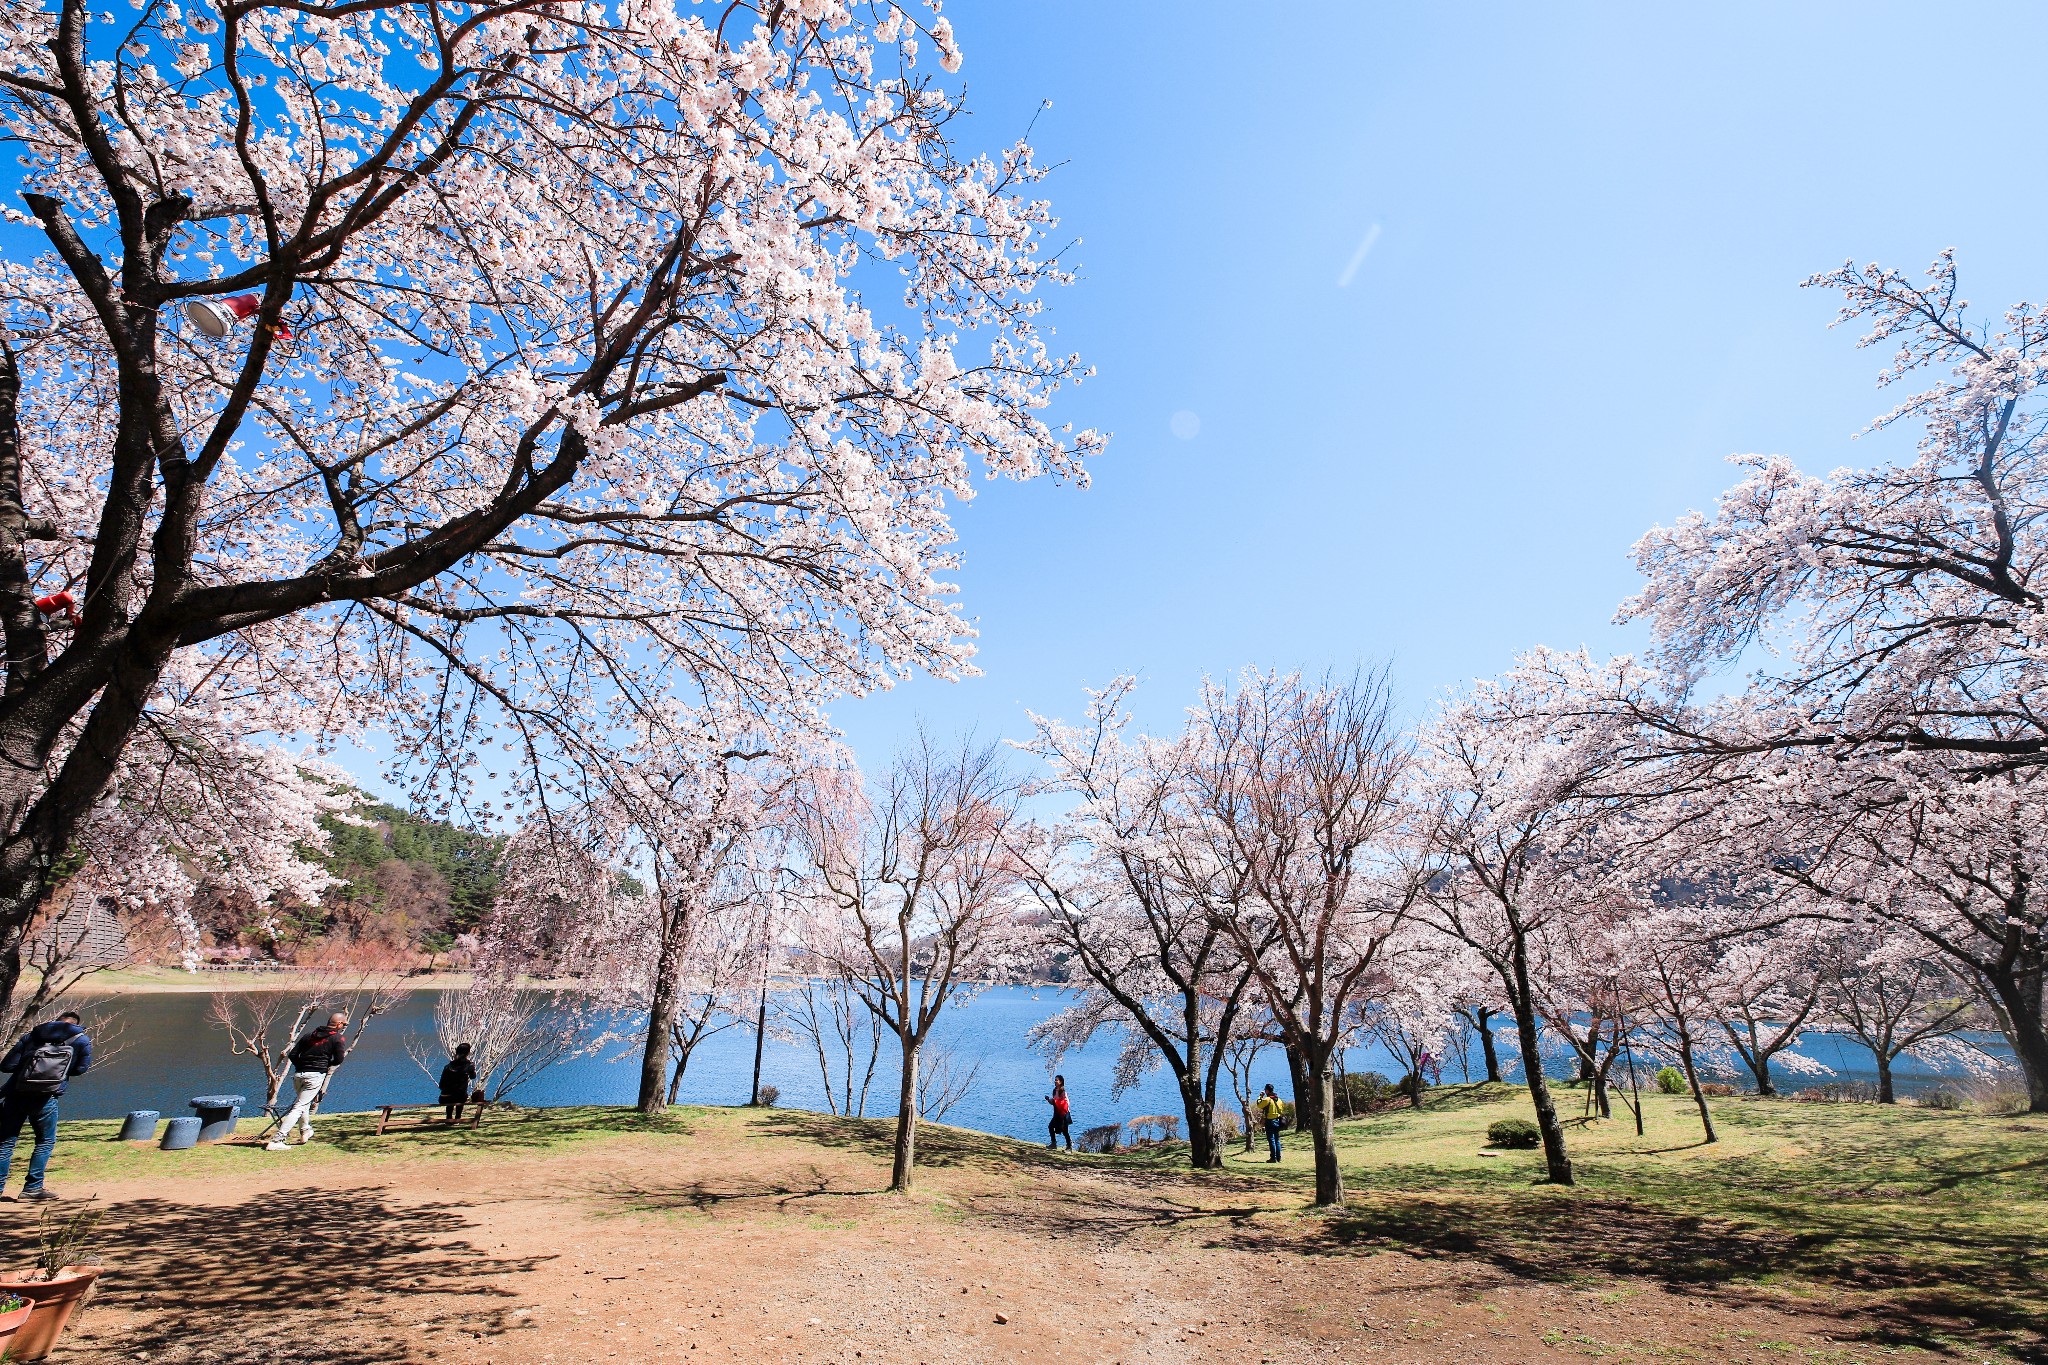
(38, 1072)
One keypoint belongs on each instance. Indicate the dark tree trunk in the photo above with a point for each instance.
(1557, 1163)
(1755, 1055)
(1205, 1153)
(1484, 1023)
(661, 1023)
(1692, 1079)
(1297, 1078)
(1320, 1120)
(1884, 1079)
(2020, 999)
(906, 1118)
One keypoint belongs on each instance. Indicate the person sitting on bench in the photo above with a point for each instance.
(458, 1079)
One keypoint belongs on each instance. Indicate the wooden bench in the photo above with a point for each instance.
(474, 1120)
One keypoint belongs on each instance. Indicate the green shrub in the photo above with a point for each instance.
(1513, 1133)
(1671, 1081)
(1367, 1088)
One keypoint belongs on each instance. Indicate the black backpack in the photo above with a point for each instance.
(44, 1071)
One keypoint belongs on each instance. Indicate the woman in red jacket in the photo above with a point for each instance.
(1062, 1125)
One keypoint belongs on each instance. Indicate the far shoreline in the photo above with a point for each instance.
(209, 981)
(213, 980)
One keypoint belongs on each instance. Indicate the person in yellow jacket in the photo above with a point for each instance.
(1273, 1114)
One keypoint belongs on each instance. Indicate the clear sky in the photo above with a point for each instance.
(1587, 226)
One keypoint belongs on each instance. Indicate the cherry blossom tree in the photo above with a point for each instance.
(1478, 1017)
(1897, 733)
(1288, 842)
(486, 373)
(691, 819)
(1897, 999)
(1766, 989)
(915, 880)
(720, 984)
(1160, 970)
(191, 807)
(1412, 1018)
(1587, 993)
(1674, 966)
(1512, 814)
(516, 1030)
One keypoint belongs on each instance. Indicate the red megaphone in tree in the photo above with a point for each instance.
(56, 602)
(217, 317)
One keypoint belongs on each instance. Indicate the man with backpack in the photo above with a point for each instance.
(1272, 1112)
(47, 1057)
(313, 1061)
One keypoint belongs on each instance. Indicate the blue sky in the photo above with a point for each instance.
(1582, 295)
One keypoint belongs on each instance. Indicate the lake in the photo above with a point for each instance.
(170, 1052)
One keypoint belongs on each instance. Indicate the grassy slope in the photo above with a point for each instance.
(1922, 1227)
(1937, 1217)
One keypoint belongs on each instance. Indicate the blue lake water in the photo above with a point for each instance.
(170, 1052)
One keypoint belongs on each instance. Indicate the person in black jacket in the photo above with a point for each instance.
(458, 1078)
(313, 1061)
(39, 1071)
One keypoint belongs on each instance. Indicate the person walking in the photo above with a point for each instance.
(1272, 1113)
(40, 1066)
(313, 1061)
(458, 1078)
(1062, 1125)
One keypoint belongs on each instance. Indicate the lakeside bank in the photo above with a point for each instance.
(594, 1235)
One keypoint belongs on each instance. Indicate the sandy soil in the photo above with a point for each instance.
(766, 1244)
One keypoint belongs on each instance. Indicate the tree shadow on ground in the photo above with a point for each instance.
(804, 1192)
(937, 1145)
(505, 1128)
(312, 1275)
(1108, 1213)
(1894, 1300)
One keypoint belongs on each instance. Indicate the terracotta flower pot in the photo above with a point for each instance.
(51, 1304)
(10, 1323)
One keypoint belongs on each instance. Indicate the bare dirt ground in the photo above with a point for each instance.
(766, 1239)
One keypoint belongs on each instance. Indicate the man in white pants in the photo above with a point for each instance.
(313, 1061)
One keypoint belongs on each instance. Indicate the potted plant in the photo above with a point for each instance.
(54, 1287)
(14, 1311)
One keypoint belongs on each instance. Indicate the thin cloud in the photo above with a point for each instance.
(1358, 257)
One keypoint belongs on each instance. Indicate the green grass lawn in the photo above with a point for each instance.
(1934, 1220)
(87, 1152)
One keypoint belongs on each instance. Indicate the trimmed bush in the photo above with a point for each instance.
(1671, 1081)
(1367, 1089)
(1513, 1133)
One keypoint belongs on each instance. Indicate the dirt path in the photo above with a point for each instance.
(755, 1245)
